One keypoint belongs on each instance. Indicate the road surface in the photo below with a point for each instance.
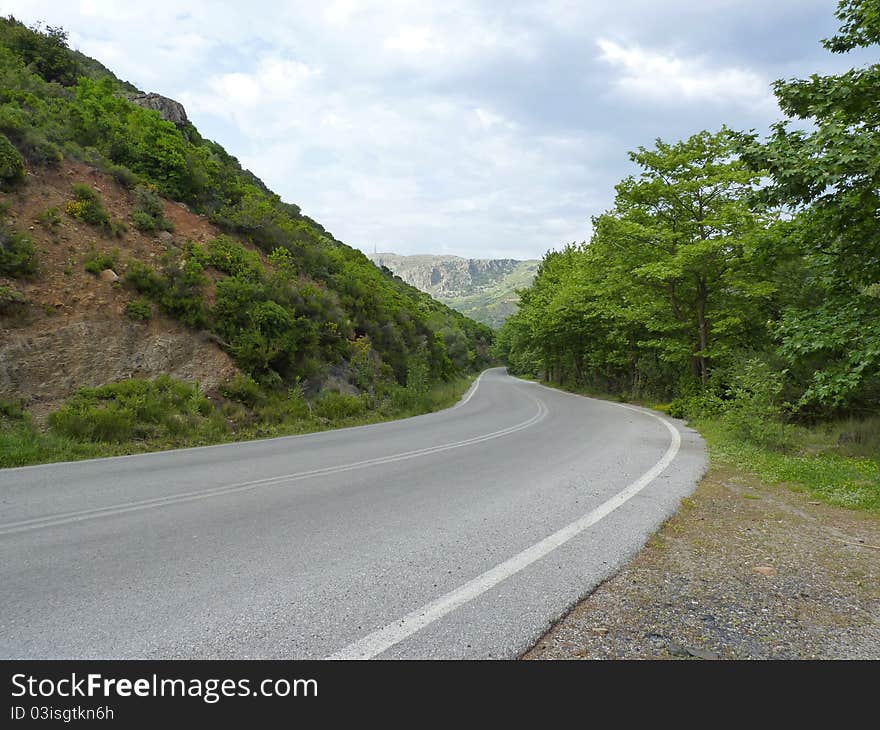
(459, 534)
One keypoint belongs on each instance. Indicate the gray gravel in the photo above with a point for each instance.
(745, 571)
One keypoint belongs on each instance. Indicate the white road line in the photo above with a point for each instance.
(383, 639)
(470, 392)
(68, 517)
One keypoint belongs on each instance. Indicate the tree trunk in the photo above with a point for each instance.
(704, 331)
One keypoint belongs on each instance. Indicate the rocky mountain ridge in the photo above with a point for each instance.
(483, 289)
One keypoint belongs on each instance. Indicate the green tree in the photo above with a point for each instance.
(828, 176)
(686, 228)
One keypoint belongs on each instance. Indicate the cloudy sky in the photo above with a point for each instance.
(484, 129)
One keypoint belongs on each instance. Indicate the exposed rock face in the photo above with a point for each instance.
(447, 276)
(169, 109)
(484, 289)
(48, 366)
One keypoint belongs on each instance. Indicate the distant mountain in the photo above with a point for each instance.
(482, 289)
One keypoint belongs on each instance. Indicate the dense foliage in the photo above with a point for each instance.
(734, 274)
(313, 306)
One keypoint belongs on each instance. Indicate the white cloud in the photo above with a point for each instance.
(663, 77)
(413, 40)
(471, 126)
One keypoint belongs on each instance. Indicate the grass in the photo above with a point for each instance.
(827, 474)
(141, 416)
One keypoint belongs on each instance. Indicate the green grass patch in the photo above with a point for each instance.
(831, 476)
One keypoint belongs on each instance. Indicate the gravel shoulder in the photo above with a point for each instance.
(743, 571)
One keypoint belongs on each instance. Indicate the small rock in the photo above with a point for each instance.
(677, 649)
(108, 275)
(165, 237)
(766, 570)
(600, 630)
(701, 653)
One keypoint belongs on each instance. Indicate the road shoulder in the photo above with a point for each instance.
(744, 571)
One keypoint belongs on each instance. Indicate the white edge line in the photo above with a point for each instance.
(465, 398)
(379, 641)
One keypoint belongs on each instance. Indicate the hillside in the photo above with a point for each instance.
(131, 249)
(482, 289)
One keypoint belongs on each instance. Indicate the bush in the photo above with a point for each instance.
(11, 164)
(50, 218)
(144, 280)
(122, 175)
(703, 404)
(135, 409)
(229, 256)
(10, 299)
(753, 413)
(337, 406)
(18, 258)
(97, 262)
(139, 310)
(11, 411)
(87, 207)
(244, 389)
(143, 221)
(149, 213)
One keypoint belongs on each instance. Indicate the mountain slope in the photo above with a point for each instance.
(482, 289)
(131, 248)
(56, 106)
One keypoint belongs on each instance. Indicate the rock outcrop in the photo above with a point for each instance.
(483, 289)
(45, 367)
(169, 109)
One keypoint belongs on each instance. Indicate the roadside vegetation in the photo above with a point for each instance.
(737, 281)
(135, 416)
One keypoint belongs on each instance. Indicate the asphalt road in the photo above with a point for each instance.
(459, 534)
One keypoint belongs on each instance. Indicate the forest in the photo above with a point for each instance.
(737, 276)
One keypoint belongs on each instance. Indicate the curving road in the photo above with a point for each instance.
(459, 534)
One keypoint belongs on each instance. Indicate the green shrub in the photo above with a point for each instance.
(703, 404)
(87, 207)
(11, 410)
(50, 218)
(143, 221)
(144, 280)
(177, 289)
(18, 258)
(244, 389)
(139, 310)
(122, 175)
(149, 212)
(109, 424)
(11, 164)
(338, 406)
(753, 412)
(10, 299)
(182, 295)
(135, 409)
(96, 261)
(117, 229)
(283, 407)
(229, 256)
